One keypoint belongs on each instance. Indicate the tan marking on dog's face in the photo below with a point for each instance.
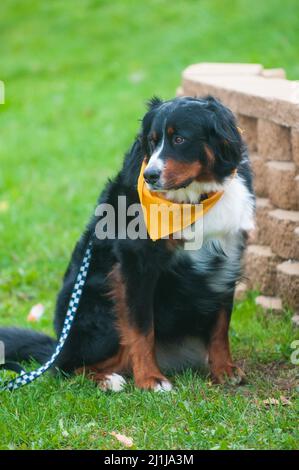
(177, 174)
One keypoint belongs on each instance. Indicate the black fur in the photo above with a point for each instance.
(24, 344)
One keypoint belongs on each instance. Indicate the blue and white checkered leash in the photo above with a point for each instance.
(27, 377)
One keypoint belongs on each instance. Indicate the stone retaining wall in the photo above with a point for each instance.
(267, 108)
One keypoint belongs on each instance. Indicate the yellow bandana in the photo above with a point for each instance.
(163, 217)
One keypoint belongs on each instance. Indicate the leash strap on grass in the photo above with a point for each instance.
(27, 377)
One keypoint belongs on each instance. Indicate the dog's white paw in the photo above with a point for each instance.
(163, 386)
(113, 382)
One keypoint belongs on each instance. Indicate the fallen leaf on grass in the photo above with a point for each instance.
(271, 402)
(36, 312)
(3, 206)
(126, 441)
(274, 402)
(63, 430)
(285, 400)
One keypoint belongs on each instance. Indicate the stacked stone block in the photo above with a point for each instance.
(267, 108)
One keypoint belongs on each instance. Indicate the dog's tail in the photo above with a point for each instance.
(24, 345)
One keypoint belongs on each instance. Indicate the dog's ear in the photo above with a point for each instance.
(139, 150)
(224, 137)
(153, 105)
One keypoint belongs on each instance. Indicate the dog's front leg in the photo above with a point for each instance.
(132, 286)
(222, 367)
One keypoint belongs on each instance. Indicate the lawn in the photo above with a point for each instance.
(77, 75)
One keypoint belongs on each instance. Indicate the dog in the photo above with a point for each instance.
(150, 308)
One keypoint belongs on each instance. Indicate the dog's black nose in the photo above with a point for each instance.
(152, 175)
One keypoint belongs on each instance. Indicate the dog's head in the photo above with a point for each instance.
(189, 141)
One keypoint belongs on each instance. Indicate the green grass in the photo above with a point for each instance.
(77, 74)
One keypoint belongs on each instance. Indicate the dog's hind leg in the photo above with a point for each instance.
(108, 374)
(109, 382)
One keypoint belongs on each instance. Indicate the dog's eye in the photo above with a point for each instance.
(178, 139)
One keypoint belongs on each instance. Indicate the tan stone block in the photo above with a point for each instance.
(274, 141)
(240, 291)
(295, 320)
(282, 225)
(274, 304)
(273, 99)
(249, 127)
(263, 207)
(295, 146)
(260, 268)
(288, 283)
(259, 180)
(253, 237)
(297, 188)
(282, 185)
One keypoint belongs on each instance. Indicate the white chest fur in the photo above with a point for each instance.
(233, 213)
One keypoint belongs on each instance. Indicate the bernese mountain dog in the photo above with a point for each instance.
(150, 308)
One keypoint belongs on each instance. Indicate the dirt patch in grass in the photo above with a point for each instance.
(277, 376)
(283, 376)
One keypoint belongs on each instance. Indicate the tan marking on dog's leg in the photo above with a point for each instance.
(140, 347)
(221, 364)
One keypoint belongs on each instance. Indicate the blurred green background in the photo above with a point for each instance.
(77, 74)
